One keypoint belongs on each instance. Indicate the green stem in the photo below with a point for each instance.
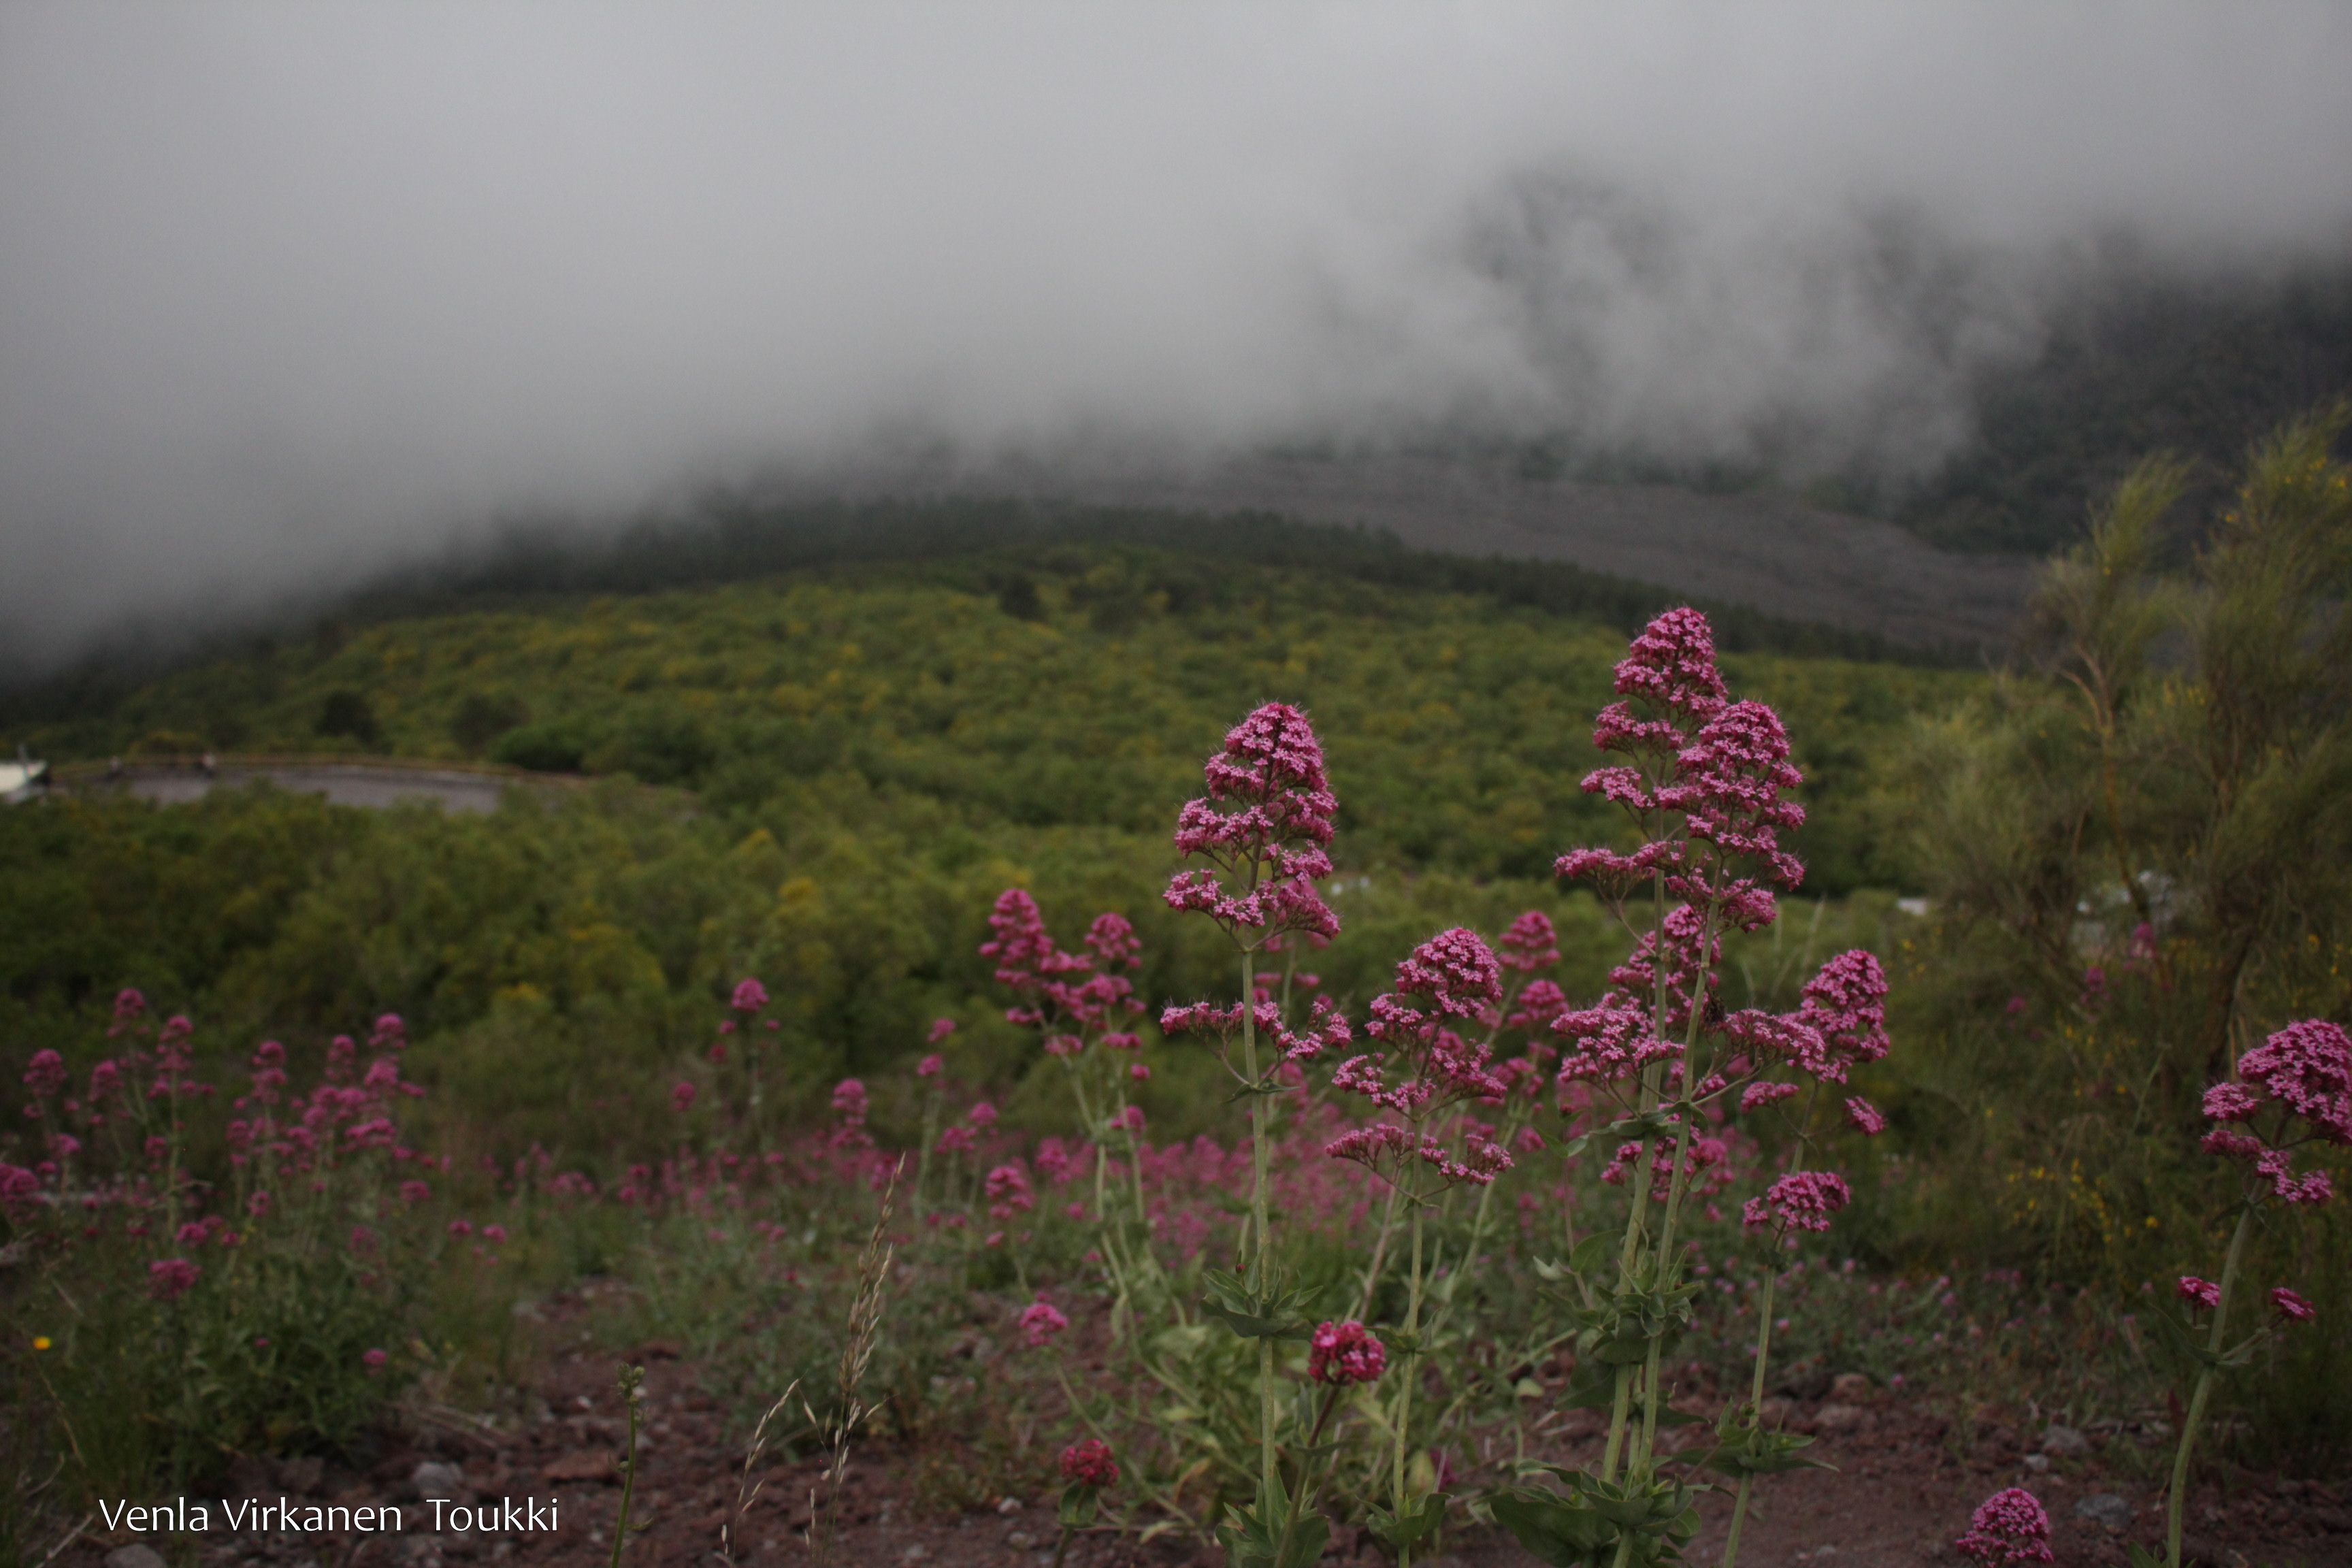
(1311, 1478)
(1380, 1256)
(1261, 1270)
(1755, 1408)
(923, 1155)
(1677, 1182)
(1411, 1374)
(2179, 1494)
(1629, 1257)
(632, 1383)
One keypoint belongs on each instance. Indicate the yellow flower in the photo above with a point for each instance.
(40, 1341)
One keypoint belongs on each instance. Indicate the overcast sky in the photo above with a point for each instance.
(291, 291)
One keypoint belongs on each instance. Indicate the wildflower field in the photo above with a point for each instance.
(1530, 1094)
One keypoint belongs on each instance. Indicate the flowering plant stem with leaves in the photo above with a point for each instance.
(1705, 789)
(1263, 828)
(2293, 1090)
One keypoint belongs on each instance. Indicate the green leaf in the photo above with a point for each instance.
(1408, 1525)
(1590, 1389)
(1591, 1253)
(1554, 1528)
(1757, 1452)
(1080, 1504)
(1265, 1535)
(1251, 1327)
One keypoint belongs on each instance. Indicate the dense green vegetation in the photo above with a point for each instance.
(874, 751)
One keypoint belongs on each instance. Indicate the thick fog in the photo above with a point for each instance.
(288, 292)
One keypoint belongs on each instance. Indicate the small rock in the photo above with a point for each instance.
(1838, 1417)
(1848, 1387)
(2037, 1463)
(1018, 1540)
(2105, 1509)
(1009, 1505)
(2064, 1443)
(1774, 1412)
(133, 1557)
(915, 1553)
(437, 1479)
(2330, 1518)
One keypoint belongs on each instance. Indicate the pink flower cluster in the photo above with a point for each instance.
(1325, 1029)
(1010, 1194)
(2291, 1306)
(1720, 767)
(1090, 1464)
(1265, 828)
(1074, 997)
(1040, 1321)
(1530, 943)
(169, 1279)
(2297, 1085)
(2008, 1527)
(1801, 1200)
(1346, 1352)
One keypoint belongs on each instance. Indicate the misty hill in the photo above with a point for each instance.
(1757, 549)
(2133, 364)
(1069, 684)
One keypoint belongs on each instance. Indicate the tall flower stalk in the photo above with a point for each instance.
(1080, 1001)
(1264, 830)
(2293, 1090)
(1704, 784)
(1426, 1068)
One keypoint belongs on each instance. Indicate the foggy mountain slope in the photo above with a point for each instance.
(292, 295)
(1771, 552)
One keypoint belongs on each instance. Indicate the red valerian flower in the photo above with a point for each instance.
(2307, 1068)
(1265, 827)
(1801, 1200)
(1008, 1192)
(2291, 1306)
(2198, 1292)
(169, 1279)
(47, 1073)
(1346, 1352)
(1531, 943)
(2009, 1526)
(750, 996)
(2295, 1087)
(1845, 1007)
(1865, 1116)
(1040, 1321)
(1090, 1464)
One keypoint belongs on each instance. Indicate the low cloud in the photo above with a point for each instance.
(291, 292)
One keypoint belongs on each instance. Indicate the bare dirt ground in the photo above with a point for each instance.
(1773, 553)
(1902, 1492)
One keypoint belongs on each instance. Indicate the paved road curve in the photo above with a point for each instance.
(376, 782)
